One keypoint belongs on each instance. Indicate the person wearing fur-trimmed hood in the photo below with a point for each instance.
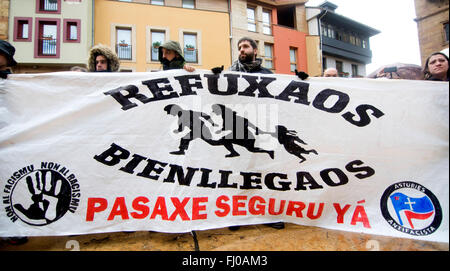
(103, 59)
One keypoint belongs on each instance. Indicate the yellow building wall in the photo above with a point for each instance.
(212, 30)
(314, 57)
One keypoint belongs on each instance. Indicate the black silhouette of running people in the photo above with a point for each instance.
(235, 130)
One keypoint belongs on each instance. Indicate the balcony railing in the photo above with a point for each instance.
(48, 5)
(47, 47)
(124, 51)
(191, 55)
(155, 54)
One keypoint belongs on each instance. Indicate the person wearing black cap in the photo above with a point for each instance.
(6, 61)
(6, 58)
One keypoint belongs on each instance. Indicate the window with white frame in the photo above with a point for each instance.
(190, 47)
(251, 19)
(268, 55)
(188, 4)
(293, 58)
(267, 22)
(157, 2)
(157, 39)
(123, 43)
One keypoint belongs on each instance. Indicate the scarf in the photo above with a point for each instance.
(176, 63)
(4, 73)
(250, 66)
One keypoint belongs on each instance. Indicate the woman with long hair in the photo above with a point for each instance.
(436, 67)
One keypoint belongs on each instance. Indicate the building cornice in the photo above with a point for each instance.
(282, 2)
(443, 9)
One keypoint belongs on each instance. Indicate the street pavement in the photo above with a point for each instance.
(247, 238)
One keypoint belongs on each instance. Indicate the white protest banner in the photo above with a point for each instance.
(176, 151)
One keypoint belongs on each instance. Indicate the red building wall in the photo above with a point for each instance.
(285, 38)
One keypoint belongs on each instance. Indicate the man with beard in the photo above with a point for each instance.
(247, 61)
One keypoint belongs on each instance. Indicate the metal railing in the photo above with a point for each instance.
(191, 55)
(155, 54)
(47, 47)
(124, 51)
(48, 5)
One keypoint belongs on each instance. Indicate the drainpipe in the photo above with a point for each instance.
(93, 23)
(320, 37)
(231, 31)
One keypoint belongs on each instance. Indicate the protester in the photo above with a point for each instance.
(248, 61)
(398, 71)
(436, 67)
(6, 58)
(78, 69)
(171, 57)
(7, 52)
(103, 59)
(330, 72)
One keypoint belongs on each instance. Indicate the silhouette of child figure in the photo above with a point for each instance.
(288, 139)
(239, 131)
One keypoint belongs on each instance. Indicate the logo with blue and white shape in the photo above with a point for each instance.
(411, 208)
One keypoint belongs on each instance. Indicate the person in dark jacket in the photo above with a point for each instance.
(103, 59)
(436, 67)
(171, 57)
(247, 61)
(6, 61)
(6, 58)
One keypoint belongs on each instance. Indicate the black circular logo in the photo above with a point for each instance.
(41, 197)
(411, 208)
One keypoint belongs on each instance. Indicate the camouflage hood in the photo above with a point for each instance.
(100, 49)
(171, 45)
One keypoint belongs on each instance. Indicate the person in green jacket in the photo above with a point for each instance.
(171, 57)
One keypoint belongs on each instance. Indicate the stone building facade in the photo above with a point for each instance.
(432, 23)
(4, 15)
